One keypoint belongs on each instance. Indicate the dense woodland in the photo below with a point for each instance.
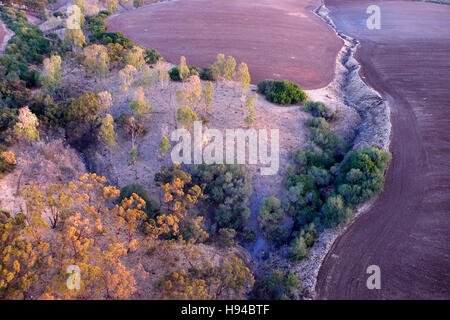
(195, 231)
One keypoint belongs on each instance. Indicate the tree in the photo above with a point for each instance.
(105, 100)
(126, 75)
(250, 108)
(116, 53)
(23, 260)
(107, 134)
(191, 93)
(81, 4)
(186, 116)
(162, 74)
(112, 5)
(335, 211)
(208, 92)
(84, 109)
(299, 249)
(224, 68)
(52, 72)
(183, 69)
(140, 105)
(135, 57)
(26, 125)
(146, 78)
(74, 38)
(244, 78)
(96, 60)
(270, 211)
(179, 285)
(164, 145)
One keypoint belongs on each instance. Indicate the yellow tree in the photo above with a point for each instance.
(135, 57)
(26, 125)
(244, 78)
(96, 60)
(22, 260)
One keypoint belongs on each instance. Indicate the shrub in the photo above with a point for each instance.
(151, 208)
(7, 160)
(152, 56)
(186, 116)
(277, 234)
(319, 123)
(229, 189)
(335, 211)
(281, 285)
(270, 211)
(208, 74)
(319, 109)
(282, 92)
(361, 175)
(327, 140)
(299, 249)
(174, 73)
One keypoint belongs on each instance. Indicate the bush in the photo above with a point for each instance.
(335, 211)
(361, 175)
(319, 123)
(207, 74)
(327, 140)
(299, 249)
(7, 160)
(277, 234)
(270, 211)
(152, 56)
(318, 109)
(151, 208)
(282, 92)
(174, 73)
(229, 189)
(280, 285)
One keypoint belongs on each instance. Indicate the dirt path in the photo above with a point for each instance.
(406, 232)
(270, 35)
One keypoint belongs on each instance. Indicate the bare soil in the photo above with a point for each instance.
(280, 39)
(406, 232)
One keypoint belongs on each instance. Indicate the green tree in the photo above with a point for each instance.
(107, 134)
(185, 116)
(140, 105)
(208, 93)
(224, 68)
(335, 211)
(52, 72)
(164, 145)
(250, 108)
(183, 69)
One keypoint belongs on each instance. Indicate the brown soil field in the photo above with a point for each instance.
(406, 232)
(280, 39)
